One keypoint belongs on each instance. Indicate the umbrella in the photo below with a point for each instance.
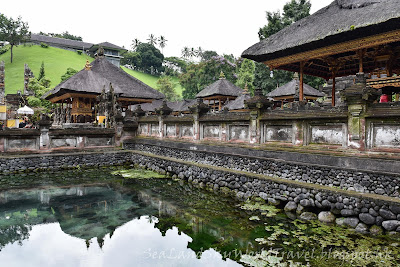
(25, 110)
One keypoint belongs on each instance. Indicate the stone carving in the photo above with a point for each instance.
(2, 86)
(27, 75)
(109, 107)
(68, 115)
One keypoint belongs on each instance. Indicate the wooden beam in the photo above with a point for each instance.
(367, 42)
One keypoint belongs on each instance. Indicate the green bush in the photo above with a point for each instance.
(4, 49)
(79, 52)
(44, 45)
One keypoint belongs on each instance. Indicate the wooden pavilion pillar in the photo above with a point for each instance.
(301, 86)
(333, 89)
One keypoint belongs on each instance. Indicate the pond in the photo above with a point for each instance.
(127, 217)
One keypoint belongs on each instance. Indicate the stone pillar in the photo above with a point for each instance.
(299, 138)
(357, 97)
(163, 111)
(44, 126)
(196, 127)
(197, 110)
(161, 126)
(255, 130)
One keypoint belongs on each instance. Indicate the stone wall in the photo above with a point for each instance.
(358, 181)
(61, 161)
(299, 200)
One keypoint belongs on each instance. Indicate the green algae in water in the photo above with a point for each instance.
(266, 210)
(137, 174)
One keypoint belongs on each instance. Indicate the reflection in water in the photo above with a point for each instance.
(157, 222)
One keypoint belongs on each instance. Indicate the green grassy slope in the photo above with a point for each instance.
(152, 80)
(56, 61)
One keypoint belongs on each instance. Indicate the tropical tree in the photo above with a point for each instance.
(13, 31)
(41, 72)
(135, 44)
(152, 40)
(167, 87)
(151, 58)
(186, 52)
(70, 72)
(246, 75)
(292, 12)
(162, 43)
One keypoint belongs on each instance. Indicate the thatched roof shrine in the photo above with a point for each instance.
(101, 74)
(291, 88)
(221, 87)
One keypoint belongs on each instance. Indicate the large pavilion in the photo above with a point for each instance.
(344, 38)
(80, 91)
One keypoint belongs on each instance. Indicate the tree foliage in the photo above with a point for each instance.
(13, 31)
(167, 87)
(246, 75)
(41, 71)
(39, 88)
(292, 12)
(199, 75)
(64, 35)
(131, 58)
(151, 58)
(70, 72)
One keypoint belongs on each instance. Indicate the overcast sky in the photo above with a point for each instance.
(225, 26)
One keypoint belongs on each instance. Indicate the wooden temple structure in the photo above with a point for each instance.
(78, 95)
(219, 92)
(341, 39)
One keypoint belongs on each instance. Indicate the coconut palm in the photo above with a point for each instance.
(152, 40)
(162, 42)
(135, 44)
(186, 52)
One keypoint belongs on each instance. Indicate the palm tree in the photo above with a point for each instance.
(152, 40)
(162, 42)
(186, 52)
(200, 52)
(193, 52)
(135, 44)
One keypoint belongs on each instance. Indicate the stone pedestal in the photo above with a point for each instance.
(357, 97)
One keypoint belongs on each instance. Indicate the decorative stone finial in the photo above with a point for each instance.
(87, 65)
(296, 76)
(221, 75)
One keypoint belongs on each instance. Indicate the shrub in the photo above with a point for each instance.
(44, 45)
(4, 49)
(79, 52)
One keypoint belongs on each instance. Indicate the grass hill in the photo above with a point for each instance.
(56, 61)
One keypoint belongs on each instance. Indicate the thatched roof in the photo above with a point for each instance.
(60, 41)
(221, 87)
(103, 73)
(289, 89)
(341, 21)
(238, 103)
(177, 106)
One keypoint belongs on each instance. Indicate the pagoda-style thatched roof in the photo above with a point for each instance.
(238, 103)
(222, 87)
(290, 88)
(333, 32)
(101, 74)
